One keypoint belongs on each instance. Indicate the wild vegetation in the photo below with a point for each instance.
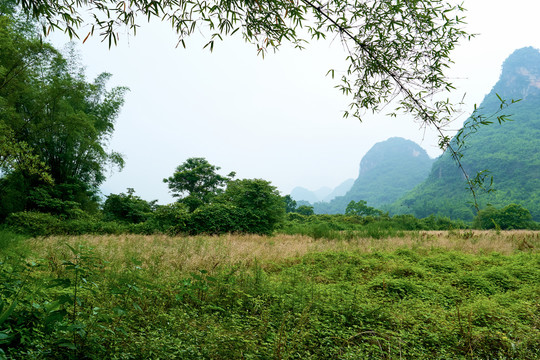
(55, 126)
(423, 295)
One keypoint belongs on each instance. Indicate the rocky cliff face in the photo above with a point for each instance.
(520, 77)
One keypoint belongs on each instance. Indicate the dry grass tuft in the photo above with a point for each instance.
(166, 256)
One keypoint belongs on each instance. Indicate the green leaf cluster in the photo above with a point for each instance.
(218, 204)
(360, 208)
(127, 208)
(196, 182)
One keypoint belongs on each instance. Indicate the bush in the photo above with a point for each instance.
(215, 219)
(305, 210)
(262, 208)
(34, 223)
(109, 227)
(409, 222)
(168, 217)
(512, 216)
(43, 224)
(322, 231)
(292, 216)
(144, 228)
(127, 208)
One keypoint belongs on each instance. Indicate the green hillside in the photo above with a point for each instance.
(510, 151)
(388, 170)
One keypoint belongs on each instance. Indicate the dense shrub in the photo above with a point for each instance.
(215, 219)
(245, 210)
(34, 223)
(262, 208)
(172, 218)
(349, 226)
(512, 216)
(127, 208)
(305, 210)
(43, 224)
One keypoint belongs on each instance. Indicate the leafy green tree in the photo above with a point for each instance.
(18, 51)
(18, 156)
(512, 216)
(127, 207)
(290, 204)
(54, 122)
(262, 207)
(361, 208)
(305, 210)
(196, 182)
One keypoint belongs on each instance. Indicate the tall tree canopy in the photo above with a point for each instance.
(18, 51)
(261, 207)
(54, 123)
(196, 182)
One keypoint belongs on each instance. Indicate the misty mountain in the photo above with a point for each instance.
(323, 194)
(387, 171)
(302, 194)
(510, 151)
(340, 190)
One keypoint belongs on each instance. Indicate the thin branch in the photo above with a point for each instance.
(402, 88)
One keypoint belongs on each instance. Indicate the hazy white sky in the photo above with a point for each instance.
(277, 118)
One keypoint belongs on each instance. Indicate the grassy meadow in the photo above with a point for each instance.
(420, 295)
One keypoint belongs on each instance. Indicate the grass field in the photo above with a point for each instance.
(422, 295)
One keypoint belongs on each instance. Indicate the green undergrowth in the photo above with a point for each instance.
(347, 227)
(404, 304)
(223, 219)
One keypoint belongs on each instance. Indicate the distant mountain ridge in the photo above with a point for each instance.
(397, 175)
(511, 151)
(323, 194)
(387, 171)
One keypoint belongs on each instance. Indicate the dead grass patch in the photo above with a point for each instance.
(167, 256)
